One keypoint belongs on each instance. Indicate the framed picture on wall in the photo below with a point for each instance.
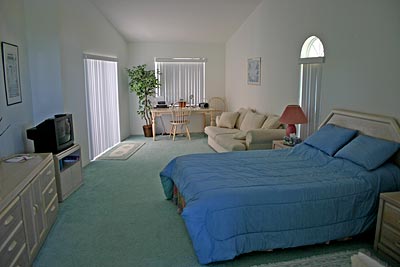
(254, 71)
(9, 53)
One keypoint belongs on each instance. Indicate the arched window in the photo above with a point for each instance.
(311, 58)
(312, 47)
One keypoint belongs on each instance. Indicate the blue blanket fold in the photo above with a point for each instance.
(246, 201)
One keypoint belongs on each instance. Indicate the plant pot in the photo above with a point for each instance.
(182, 104)
(148, 131)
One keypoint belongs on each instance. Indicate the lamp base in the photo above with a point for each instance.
(291, 129)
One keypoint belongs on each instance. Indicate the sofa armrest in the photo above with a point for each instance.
(262, 138)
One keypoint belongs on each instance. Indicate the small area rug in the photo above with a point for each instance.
(336, 259)
(122, 151)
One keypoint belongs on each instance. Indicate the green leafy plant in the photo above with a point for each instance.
(144, 83)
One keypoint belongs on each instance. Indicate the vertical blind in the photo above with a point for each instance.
(181, 80)
(310, 97)
(102, 104)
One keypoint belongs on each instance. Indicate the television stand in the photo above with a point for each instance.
(68, 167)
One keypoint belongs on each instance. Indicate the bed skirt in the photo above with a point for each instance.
(178, 199)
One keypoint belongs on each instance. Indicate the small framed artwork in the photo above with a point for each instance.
(12, 82)
(254, 71)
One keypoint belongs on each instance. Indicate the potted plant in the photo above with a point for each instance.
(144, 83)
(182, 103)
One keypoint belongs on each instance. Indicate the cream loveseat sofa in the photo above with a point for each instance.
(244, 130)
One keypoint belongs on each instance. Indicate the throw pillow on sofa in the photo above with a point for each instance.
(242, 113)
(252, 121)
(227, 119)
(272, 122)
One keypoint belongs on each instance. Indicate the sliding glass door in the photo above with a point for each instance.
(101, 103)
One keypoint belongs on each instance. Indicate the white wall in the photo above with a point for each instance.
(42, 32)
(83, 29)
(361, 38)
(19, 116)
(58, 34)
(144, 53)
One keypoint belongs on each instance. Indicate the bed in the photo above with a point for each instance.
(238, 202)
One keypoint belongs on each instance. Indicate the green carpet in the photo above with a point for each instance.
(119, 217)
(336, 259)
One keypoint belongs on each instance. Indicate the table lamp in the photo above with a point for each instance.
(293, 114)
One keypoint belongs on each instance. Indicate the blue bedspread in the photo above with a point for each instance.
(246, 201)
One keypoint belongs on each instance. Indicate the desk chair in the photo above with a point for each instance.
(180, 117)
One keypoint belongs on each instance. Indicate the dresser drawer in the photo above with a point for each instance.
(9, 219)
(391, 215)
(390, 239)
(22, 259)
(49, 193)
(46, 175)
(51, 212)
(10, 249)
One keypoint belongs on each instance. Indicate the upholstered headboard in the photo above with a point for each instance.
(379, 126)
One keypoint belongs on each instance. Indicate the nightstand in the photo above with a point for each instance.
(278, 144)
(387, 236)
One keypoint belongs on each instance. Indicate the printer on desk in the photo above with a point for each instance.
(161, 104)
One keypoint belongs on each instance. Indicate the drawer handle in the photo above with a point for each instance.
(35, 208)
(53, 208)
(8, 220)
(12, 246)
(51, 191)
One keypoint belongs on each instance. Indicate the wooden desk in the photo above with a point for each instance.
(158, 112)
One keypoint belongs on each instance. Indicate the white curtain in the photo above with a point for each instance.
(182, 80)
(102, 104)
(310, 84)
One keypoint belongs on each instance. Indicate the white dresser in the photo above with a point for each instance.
(28, 208)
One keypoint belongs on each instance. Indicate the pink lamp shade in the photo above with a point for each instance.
(293, 114)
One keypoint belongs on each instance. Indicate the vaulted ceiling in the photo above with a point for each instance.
(191, 21)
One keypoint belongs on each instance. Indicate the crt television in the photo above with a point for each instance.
(53, 135)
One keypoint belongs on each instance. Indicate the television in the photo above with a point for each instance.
(53, 135)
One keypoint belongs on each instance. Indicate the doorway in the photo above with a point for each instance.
(101, 86)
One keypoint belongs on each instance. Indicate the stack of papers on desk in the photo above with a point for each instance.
(18, 158)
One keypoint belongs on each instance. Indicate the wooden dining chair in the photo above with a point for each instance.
(218, 106)
(180, 117)
(217, 103)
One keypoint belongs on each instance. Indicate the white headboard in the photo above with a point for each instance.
(379, 126)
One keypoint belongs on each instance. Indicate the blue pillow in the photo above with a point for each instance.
(367, 151)
(330, 138)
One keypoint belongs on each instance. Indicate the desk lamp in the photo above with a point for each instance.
(293, 114)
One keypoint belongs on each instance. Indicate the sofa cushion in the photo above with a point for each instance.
(227, 119)
(213, 131)
(229, 143)
(240, 135)
(252, 121)
(242, 113)
(272, 122)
